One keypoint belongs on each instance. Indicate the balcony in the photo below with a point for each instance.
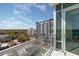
(34, 48)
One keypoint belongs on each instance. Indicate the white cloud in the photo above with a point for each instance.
(11, 23)
(42, 7)
(17, 12)
(26, 7)
(40, 20)
(23, 7)
(23, 18)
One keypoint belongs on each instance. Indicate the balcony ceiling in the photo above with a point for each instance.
(53, 4)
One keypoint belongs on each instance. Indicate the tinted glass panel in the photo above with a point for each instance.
(72, 31)
(58, 7)
(58, 30)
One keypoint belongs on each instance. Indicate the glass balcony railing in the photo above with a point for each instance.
(34, 47)
(46, 43)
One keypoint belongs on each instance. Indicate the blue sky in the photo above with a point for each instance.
(23, 16)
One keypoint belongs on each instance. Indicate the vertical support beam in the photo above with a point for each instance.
(54, 27)
(41, 37)
(63, 29)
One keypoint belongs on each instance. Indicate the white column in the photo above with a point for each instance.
(63, 29)
(54, 25)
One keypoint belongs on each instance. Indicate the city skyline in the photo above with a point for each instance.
(23, 15)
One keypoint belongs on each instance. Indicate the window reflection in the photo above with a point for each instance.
(72, 31)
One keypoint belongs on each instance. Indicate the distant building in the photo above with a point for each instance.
(3, 37)
(45, 28)
(31, 32)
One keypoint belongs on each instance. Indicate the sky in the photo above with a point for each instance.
(23, 15)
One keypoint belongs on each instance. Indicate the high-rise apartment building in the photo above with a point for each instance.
(45, 28)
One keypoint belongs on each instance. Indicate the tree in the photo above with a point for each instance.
(11, 35)
(22, 38)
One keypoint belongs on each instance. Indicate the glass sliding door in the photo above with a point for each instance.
(72, 30)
